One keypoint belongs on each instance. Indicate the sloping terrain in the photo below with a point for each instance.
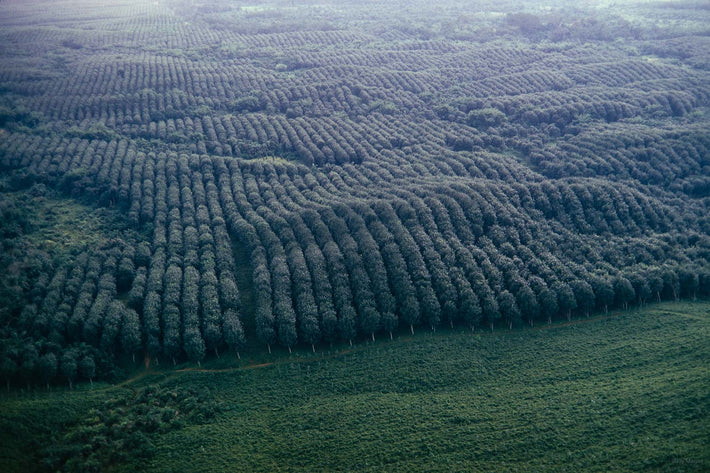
(626, 392)
(291, 173)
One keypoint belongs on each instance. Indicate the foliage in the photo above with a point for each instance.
(279, 175)
(626, 392)
(119, 431)
(195, 182)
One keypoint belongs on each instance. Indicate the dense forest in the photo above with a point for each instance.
(235, 175)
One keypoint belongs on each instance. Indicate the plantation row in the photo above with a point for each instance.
(278, 180)
(154, 183)
(192, 98)
(667, 159)
(533, 97)
(469, 254)
(629, 151)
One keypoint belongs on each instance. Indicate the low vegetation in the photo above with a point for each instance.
(623, 392)
(366, 203)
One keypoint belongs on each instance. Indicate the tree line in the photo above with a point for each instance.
(273, 189)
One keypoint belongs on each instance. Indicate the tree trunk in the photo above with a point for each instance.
(411, 328)
(373, 336)
(451, 322)
(289, 350)
(134, 358)
(238, 357)
(491, 327)
(531, 322)
(216, 352)
(268, 345)
(174, 362)
(391, 338)
(433, 329)
(569, 315)
(313, 347)
(351, 342)
(549, 320)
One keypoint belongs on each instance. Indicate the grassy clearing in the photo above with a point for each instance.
(57, 228)
(629, 392)
(61, 225)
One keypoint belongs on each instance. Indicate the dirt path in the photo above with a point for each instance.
(330, 356)
(197, 369)
(688, 316)
(135, 378)
(280, 361)
(575, 322)
(346, 351)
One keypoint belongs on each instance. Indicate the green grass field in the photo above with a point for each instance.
(627, 392)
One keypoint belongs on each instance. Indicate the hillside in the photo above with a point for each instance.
(625, 392)
(182, 179)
